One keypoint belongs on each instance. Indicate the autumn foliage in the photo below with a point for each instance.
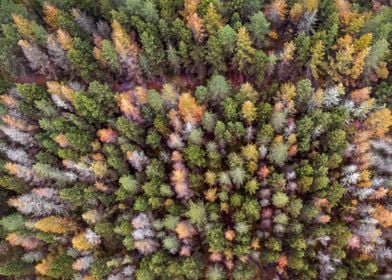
(193, 139)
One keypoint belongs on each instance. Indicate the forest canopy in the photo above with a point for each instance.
(195, 139)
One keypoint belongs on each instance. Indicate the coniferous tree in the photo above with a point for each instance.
(195, 139)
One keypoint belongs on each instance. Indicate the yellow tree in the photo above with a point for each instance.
(64, 39)
(250, 153)
(248, 111)
(193, 21)
(317, 58)
(244, 50)
(310, 5)
(340, 65)
(128, 51)
(379, 122)
(23, 25)
(361, 48)
(277, 11)
(352, 20)
(61, 90)
(190, 7)
(55, 224)
(212, 20)
(127, 106)
(82, 242)
(121, 40)
(288, 51)
(360, 95)
(189, 110)
(51, 15)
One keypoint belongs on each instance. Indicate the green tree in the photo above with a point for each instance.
(197, 213)
(304, 131)
(302, 46)
(377, 54)
(230, 109)
(80, 56)
(304, 93)
(252, 186)
(278, 153)
(280, 199)
(215, 272)
(215, 54)
(227, 38)
(195, 156)
(336, 140)
(110, 56)
(218, 88)
(97, 103)
(153, 55)
(155, 100)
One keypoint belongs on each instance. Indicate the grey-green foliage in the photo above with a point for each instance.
(171, 243)
(129, 183)
(197, 212)
(218, 88)
(238, 176)
(280, 199)
(227, 37)
(278, 153)
(278, 121)
(196, 137)
(216, 272)
(380, 25)
(377, 54)
(13, 222)
(155, 100)
(47, 171)
(304, 93)
(209, 121)
(170, 222)
(110, 55)
(258, 27)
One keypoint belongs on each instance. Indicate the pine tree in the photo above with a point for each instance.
(258, 27)
(376, 55)
(244, 52)
(218, 88)
(215, 54)
(227, 38)
(197, 213)
(317, 57)
(255, 134)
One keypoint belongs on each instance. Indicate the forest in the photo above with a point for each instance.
(195, 139)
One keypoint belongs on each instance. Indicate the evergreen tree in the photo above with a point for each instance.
(196, 139)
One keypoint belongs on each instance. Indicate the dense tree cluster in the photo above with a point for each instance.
(195, 139)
